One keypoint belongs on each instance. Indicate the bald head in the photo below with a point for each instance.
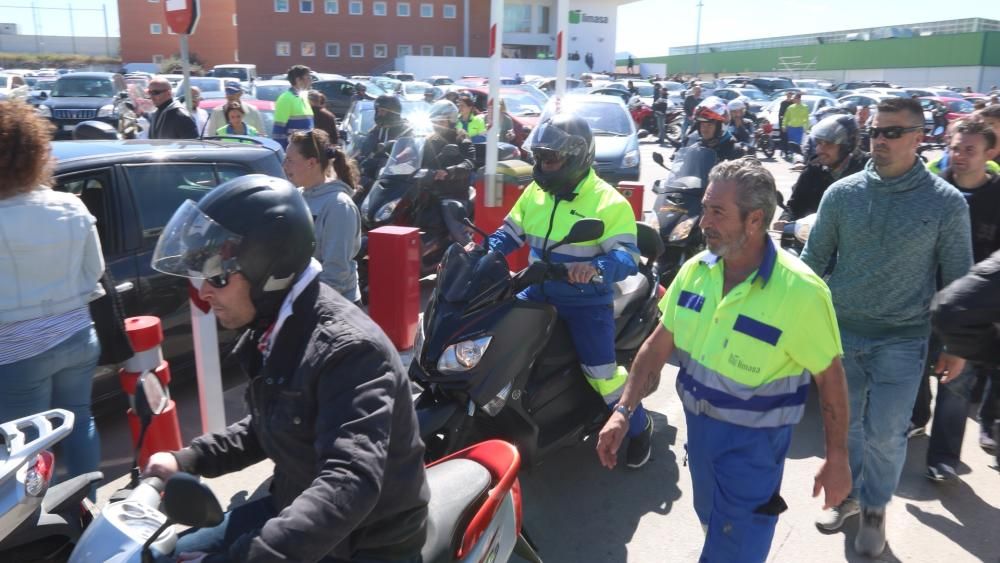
(159, 90)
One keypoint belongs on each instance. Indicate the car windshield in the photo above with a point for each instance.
(237, 73)
(207, 84)
(604, 118)
(645, 90)
(43, 85)
(521, 104)
(673, 86)
(417, 88)
(83, 88)
(755, 95)
(778, 83)
(961, 106)
(269, 93)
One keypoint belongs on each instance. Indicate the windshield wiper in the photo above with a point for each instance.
(612, 133)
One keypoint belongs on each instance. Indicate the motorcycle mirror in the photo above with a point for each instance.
(781, 200)
(454, 209)
(642, 134)
(658, 158)
(451, 151)
(188, 501)
(43, 96)
(584, 230)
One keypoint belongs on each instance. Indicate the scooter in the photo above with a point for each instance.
(763, 140)
(39, 522)
(677, 208)
(490, 365)
(474, 513)
(642, 115)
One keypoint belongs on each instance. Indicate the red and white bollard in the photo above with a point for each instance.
(164, 433)
(633, 192)
(394, 282)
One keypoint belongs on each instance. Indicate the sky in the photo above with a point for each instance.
(645, 28)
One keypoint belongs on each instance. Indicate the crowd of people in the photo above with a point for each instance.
(891, 254)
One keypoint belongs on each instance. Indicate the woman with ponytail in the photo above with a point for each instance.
(328, 179)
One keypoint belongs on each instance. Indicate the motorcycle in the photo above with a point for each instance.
(642, 115)
(474, 513)
(763, 140)
(673, 121)
(39, 522)
(677, 208)
(490, 365)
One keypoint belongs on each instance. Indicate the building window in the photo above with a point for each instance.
(449, 51)
(449, 11)
(357, 50)
(543, 19)
(356, 8)
(517, 18)
(158, 59)
(234, 20)
(155, 28)
(380, 50)
(283, 48)
(333, 50)
(379, 9)
(307, 49)
(170, 31)
(331, 6)
(280, 5)
(403, 9)
(306, 6)
(404, 50)
(427, 10)
(427, 50)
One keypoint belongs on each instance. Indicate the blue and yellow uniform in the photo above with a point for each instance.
(292, 112)
(746, 359)
(540, 219)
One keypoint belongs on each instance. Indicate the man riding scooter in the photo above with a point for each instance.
(740, 128)
(565, 190)
(389, 126)
(452, 169)
(711, 118)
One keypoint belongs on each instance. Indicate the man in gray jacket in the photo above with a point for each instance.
(893, 227)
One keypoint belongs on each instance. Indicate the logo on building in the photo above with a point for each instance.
(577, 16)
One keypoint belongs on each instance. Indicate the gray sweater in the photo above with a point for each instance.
(891, 238)
(338, 235)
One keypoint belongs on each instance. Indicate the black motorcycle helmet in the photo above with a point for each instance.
(393, 107)
(94, 131)
(568, 138)
(257, 225)
(838, 129)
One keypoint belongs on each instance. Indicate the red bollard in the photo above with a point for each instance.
(394, 282)
(516, 175)
(633, 192)
(164, 433)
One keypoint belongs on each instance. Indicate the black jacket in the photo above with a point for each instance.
(172, 121)
(984, 212)
(690, 103)
(332, 408)
(966, 314)
(459, 168)
(812, 184)
(383, 134)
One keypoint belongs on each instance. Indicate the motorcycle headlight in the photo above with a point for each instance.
(44, 111)
(385, 212)
(464, 355)
(107, 111)
(683, 229)
(631, 159)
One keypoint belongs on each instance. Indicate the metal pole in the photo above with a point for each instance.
(186, 69)
(697, 41)
(562, 29)
(107, 42)
(465, 29)
(72, 28)
(34, 24)
(494, 192)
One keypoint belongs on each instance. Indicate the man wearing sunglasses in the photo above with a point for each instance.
(171, 119)
(328, 397)
(893, 228)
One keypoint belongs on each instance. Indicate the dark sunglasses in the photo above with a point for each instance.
(218, 282)
(894, 132)
(157, 92)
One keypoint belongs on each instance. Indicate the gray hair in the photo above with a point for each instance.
(756, 185)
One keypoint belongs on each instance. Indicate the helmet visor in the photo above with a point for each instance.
(192, 245)
(555, 143)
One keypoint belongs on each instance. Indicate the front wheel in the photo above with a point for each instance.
(767, 147)
(673, 134)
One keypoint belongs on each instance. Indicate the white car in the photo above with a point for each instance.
(414, 90)
(814, 103)
(13, 87)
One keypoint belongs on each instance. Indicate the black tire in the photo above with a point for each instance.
(649, 124)
(673, 134)
(767, 148)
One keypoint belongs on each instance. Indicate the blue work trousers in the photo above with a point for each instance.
(736, 473)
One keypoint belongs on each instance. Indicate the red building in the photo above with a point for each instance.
(342, 36)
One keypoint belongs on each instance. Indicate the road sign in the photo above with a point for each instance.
(182, 15)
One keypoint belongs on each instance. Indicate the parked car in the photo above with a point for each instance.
(751, 96)
(953, 107)
(858, 99)
(615, 136)
(211, 88)
(812, 83)
(898, 92)
(400, 75)
(765, 84)
(548, 85)
(856, 84)
(339, 95)
(814, 103)
(40, 90)
(13, 87)
(82, 96)
(133, 188)
(439, 80)
(780, 94)
(245, 73)
(414, 90)
(268, 89)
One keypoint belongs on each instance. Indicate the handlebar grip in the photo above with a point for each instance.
(154, 482)
(558, 272)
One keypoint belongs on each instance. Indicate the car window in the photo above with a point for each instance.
(269, 93)
(94, 190)
(602, 117)
(159, 189)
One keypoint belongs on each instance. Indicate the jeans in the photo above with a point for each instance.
(244, 519)
(883, 375)
(661, 125)
(60, 377)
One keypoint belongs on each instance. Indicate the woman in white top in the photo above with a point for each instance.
(50, 264)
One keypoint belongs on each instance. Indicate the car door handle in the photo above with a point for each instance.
(124, 287)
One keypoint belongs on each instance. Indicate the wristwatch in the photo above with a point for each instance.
(622, 408)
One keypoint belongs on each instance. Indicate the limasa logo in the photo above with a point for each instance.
(577, 16)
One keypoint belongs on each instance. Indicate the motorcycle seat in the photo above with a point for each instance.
(629, 290)
(458, 487)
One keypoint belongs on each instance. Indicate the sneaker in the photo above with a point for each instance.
(640, 446)
(914, 431)
(941, 472)
(870, 540)
(986, 440)
(832, 519)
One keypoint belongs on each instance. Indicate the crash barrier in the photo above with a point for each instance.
(394, 282)
(164, 433)
(633, 192)
(514, 176)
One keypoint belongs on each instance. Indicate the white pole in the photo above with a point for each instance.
(211, 402)
(697, 42)
(562, 30)
(494, 192)
(186, 66)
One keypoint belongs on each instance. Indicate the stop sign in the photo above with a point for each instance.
(182, 15)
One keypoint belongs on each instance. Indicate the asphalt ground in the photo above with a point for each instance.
(578, 512)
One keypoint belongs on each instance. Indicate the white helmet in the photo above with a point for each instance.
(443, 110)
(737, 105)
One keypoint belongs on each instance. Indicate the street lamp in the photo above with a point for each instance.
(697, 40)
